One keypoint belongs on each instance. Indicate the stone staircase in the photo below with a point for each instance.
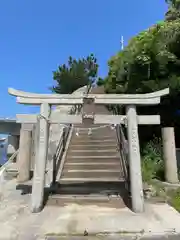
(93, 158)
(92, 169)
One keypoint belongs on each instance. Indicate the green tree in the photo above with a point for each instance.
(100, 81)
(173, 12)
(75, 74)
(173, 3)
(150, 62)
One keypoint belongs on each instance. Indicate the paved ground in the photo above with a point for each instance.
(175, 237)
(17, 221)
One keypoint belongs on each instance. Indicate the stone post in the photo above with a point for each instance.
(24, 155)
(169, 154)
(40, 159)
(134, 160)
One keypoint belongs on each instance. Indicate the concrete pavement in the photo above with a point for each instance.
(17, 222)
(167, 237)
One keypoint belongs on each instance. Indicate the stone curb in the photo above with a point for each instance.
(117, 237)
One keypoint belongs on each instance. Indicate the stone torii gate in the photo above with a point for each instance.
(46, 117)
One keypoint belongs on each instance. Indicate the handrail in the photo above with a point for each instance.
(65, 133)
(76, 109)
(123, 149)
(3, 168)
(63, 137)
(14, 155)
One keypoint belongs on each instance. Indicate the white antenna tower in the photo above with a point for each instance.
(122, 42)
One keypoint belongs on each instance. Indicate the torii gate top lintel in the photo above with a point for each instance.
(65, 99)
(96, 99)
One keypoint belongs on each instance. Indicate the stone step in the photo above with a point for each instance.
(91, 174)
(92, 153)
(93, 137)
(111, 201)
(11, 171)
(82, 163)
(94, 157)
(92, 146)
(95, 129)
(90, 179)
(10, 174)
(92, 161)
(91, 167)
(102, 188)
(93, 141)
(91, 170)
(93, 134)
(94, 185)
(91, 158)
(82, 197)
(81, 126)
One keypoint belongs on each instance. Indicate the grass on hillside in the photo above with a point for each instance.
(153, 168)
(152, 163)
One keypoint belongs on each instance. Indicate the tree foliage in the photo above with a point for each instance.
(75, 74)
(173, 12)
(150, 62)
(173, 3)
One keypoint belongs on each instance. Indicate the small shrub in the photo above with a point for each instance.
(152, 163)
(175, 199)
(153, 168)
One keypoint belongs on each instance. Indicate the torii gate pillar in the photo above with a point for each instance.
(40, 159)
(134, 160)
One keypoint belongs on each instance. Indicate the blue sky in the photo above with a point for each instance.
(37, 36)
